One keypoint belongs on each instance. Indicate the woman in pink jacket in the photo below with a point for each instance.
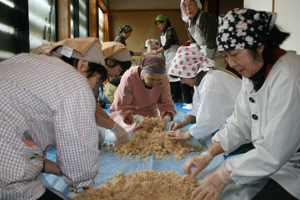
(143, 91)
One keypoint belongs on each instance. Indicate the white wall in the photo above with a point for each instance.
(287, 18)
(265, 5)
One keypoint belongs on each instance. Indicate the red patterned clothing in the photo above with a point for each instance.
(47, 101)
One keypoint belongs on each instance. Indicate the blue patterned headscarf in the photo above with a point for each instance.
(243, 28)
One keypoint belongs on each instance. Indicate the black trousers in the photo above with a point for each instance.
(48, 195)
(187, 93)
(273, 191)
(175, 91)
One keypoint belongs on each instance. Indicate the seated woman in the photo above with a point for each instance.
(117, 61)
(266, 114)
(46, 103)
(143, 91)
(215, 93)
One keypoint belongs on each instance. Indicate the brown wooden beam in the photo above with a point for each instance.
(63, 20)
(102, 6)
(93, 18)
(152, 10)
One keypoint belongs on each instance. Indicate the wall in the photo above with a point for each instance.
(265, 5)
(289, 21)
(226, 5)
(143, 25)
(286, 18)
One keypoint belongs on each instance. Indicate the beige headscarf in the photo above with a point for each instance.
(85, 48)
(116, 50)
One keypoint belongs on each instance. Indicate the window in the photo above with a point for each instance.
(13, 28)
(79, 18)
(100, 24)
(42, 22)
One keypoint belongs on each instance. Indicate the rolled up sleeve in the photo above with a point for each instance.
(76, 137)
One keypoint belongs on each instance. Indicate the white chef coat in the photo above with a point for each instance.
(270, 119)
(45, 100)
(213, 102)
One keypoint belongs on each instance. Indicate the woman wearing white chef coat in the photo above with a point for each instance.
(267, 113)
(215, 93)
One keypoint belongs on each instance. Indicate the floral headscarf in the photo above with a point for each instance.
(184, 17)
(188, 62)
(243, 28)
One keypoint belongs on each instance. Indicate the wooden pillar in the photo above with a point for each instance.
(93, 18)
(212, 7)
(63, 19)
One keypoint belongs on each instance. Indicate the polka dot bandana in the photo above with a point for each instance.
(243, 28)
(188, 62)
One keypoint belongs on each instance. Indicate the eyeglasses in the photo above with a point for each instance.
(151, 81)
(190, 5)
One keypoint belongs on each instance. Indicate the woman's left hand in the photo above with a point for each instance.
(179, 135)
(212, 186)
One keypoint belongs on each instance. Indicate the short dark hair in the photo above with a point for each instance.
(276, 38)
(124, 65)
(168, 24)
(92, 68)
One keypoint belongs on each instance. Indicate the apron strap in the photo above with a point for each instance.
(226, 71)
(197, 21)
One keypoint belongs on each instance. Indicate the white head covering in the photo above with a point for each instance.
(183, 15)
(188, 62)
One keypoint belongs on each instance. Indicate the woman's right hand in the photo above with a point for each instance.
(199, 162)
(139, 119)
(51, 167)
(120, 133)
(178, 124)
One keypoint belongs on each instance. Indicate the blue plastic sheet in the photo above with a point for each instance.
(111, 164)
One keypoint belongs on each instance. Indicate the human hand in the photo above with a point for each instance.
(148, 53)
(28, 143)
(178, 124)
(141, 121)
(212, 185)
(179, 135)
(120, 133)
(51, 167)
(198, 162)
